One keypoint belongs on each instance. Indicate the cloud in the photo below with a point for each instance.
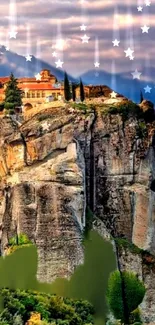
(44, 17)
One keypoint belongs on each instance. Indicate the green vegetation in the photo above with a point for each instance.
(21, 239)
(82, 94)
(142, 130)
(13, 95)
(81, 106)
(89, 281)
(123, 242)
(67, 91)
(58, 310)
(127, 110)
(131, 109)
(141, 97)
(122, 287)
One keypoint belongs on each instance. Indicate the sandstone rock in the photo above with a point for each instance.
(56, 163)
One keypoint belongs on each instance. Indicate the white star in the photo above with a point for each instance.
(54, 54)
(83, 27)
(136, 74)
(145, 29)
(12, 34)
(129, 52)
(96, 74)
(59, 64)
(85, 39)
(7, 48)
(131, 57)
(113, 94)
(96, 64)
(28, 57)
(147, 3)
(147, 89)
(115, 42)
(38, 76)
(140, 8)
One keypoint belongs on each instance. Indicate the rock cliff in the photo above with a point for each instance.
(64, 159)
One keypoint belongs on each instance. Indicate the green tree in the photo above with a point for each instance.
(17, 320)
(73, 91)
(82, 95)
(141, 97)
(13, 95)
(132, 286)
(67, 92)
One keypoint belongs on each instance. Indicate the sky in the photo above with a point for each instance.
(41, 24)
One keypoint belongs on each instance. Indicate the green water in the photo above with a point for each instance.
(89, 281)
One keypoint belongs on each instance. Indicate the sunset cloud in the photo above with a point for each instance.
(43, 16)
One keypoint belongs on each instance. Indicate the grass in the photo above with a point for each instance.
(122, 242)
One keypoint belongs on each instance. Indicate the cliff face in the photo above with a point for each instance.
(61, 160)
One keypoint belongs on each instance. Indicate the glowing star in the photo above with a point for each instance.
(38, 76)
(85, 39)
(12, 34)
(145, 29)
(96, 64)
(136, 74)
(96, 74)
(83, 27)
(59, 64)
(113, 94)
(129, 52)
(54, 54)
(115, 42)
(140, 8)
(131, 57)
(7, 48)
(147, 3)
(28, 57)
(147, 89)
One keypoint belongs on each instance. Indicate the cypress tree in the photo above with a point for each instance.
(141, 97)
(13, 95)
(73, 91)
(67, 92)
(82, 95)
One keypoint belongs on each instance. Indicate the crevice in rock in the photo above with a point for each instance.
(25, 149)
(152, 187)
(92, 166)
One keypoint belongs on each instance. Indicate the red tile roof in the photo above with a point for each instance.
(38, 86)
(4, 79)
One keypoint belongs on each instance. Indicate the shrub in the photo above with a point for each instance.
(21, 240)
(122, 287)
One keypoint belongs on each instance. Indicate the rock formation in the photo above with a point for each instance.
(56, 163)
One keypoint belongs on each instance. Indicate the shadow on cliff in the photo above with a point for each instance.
(89, 281)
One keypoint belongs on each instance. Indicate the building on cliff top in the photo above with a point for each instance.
(47, 89)
(36, 91)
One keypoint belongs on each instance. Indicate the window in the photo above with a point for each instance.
(38, 94)
(43, 93)
(33, 94)
(28, 95)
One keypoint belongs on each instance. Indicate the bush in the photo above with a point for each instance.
(22, 240)
(123, 242)
(122, 287)
(127, 110)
